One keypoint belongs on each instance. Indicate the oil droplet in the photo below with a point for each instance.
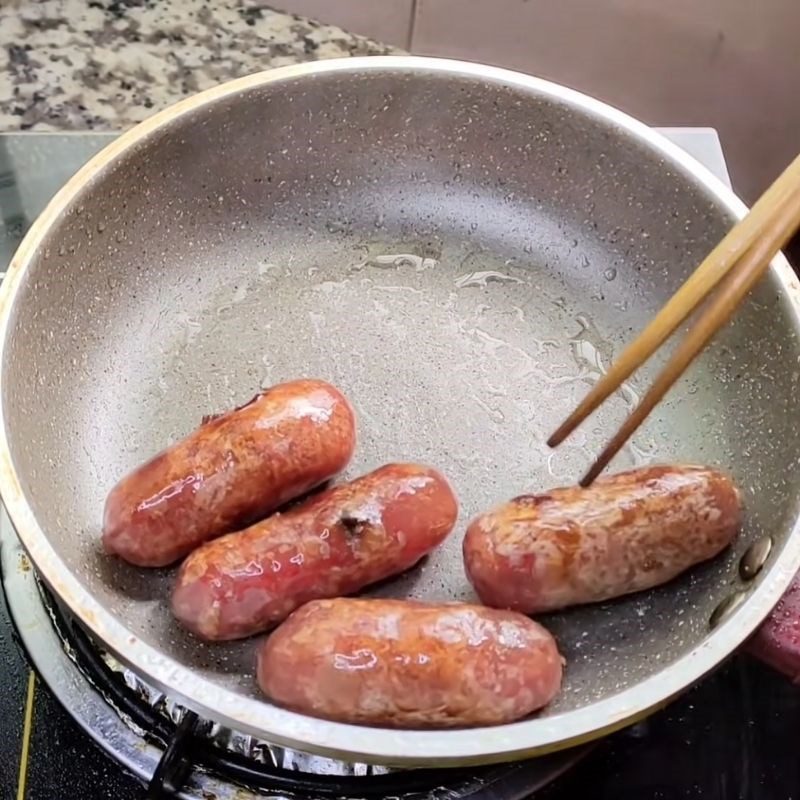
(592, 354)
(399, 261)
(239, 294)
(265, 268)
(641, 454)
(485, 277)
(567, 463)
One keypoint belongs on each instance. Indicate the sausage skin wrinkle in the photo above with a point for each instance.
(335, 543)
(623, 534)
(237, 467)
(404, 664)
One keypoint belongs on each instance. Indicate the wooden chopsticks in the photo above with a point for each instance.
(735, 266)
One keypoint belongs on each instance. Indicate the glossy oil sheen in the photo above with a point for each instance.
(236, 467)
(410, 665)
(336, 543)
(460, 256)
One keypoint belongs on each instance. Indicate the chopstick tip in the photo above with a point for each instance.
(561, 433)
(591, 474)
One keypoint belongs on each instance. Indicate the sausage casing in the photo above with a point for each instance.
(403, 664)
(235, 468)
(623, 534)
(335, 543)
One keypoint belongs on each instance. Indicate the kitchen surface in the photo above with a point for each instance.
(75, 73)
(108, 64)
(105, 64)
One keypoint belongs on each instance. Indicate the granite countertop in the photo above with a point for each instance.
(108, 64)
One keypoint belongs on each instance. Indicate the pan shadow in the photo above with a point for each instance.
(234, 662)
(147, 583)
(135, 583)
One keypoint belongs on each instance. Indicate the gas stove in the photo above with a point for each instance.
(77, 723)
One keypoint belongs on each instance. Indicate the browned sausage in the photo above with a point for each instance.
(235, 468)
(333, 544)
(624, 533)
(404, 664)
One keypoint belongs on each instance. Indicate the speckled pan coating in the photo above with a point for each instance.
(460, 250)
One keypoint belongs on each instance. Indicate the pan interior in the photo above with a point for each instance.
(462, 258)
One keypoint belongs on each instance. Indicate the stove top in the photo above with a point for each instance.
(732, 738)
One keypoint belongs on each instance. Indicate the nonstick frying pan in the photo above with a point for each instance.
(461, 249)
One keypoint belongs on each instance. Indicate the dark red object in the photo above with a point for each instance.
(777, 641)
(625, 533)
(236, 468)
(404, 664)
(334, 544)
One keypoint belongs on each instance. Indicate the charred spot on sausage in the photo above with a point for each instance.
(254, 399)
(352, 524)
(532, 499)
(213, 417)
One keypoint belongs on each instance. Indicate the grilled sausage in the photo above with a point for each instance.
(624, 533)
(335, 543)
(403, 664)
(235, 468)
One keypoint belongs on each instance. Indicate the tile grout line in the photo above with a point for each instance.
(412, 24)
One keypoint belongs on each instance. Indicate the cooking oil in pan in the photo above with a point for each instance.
(452, 355)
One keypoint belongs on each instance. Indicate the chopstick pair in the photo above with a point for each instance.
(734, 266)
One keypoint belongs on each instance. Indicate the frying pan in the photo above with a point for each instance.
(461, 249)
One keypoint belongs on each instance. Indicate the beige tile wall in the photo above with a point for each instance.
(387, 21)
(731, 64)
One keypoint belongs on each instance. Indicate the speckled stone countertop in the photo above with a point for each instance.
(108, 64)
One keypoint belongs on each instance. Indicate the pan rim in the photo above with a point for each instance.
(259, 718)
